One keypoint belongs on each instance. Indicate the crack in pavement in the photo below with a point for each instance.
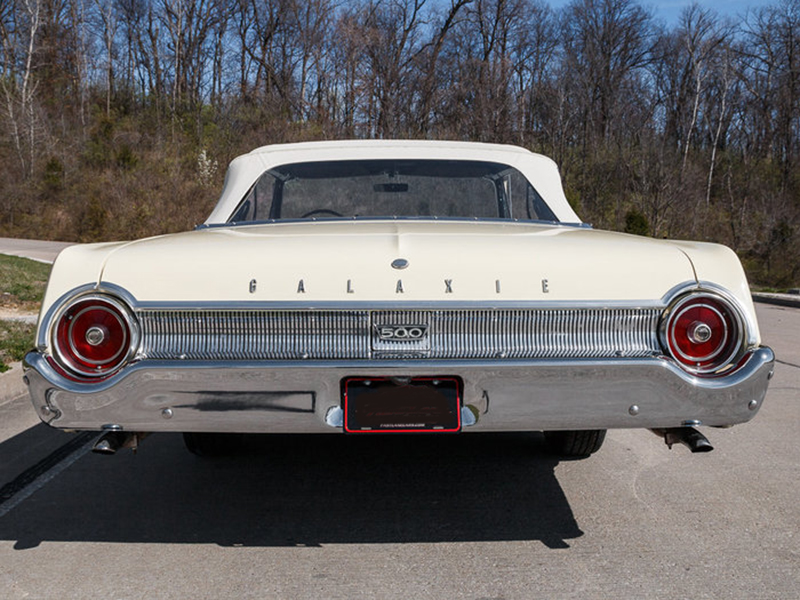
(788, 364)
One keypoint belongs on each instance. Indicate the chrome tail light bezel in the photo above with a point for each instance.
(69, 358)
(729, 352)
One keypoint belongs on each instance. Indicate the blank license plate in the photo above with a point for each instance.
(402, 405)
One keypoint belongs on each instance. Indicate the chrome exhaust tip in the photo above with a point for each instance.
(112, 441)
(688, 436)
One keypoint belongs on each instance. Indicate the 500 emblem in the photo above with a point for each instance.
(401, 333)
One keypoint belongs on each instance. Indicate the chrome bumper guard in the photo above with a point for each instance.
(296, 397)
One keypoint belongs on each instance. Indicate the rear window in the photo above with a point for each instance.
(392, 188)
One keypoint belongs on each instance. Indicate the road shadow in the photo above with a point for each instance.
(19, 452)
(306, 491)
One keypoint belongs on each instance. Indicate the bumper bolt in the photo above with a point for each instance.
(633, 410)
(752, 405)
(167, 413)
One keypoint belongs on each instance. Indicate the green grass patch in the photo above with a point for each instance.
(22, 282)
(22, 285)
(16, 338)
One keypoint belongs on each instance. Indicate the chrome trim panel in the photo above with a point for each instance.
(489, 304)
(254, 335)
(448, 334)
(296, 396)
(394, 219)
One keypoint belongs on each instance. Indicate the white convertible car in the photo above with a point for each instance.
(395, 287)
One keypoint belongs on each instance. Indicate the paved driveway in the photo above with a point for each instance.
(35, 249)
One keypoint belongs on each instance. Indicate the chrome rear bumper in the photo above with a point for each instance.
(507, 395)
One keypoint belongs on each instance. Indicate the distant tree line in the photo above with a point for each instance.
(117, 117)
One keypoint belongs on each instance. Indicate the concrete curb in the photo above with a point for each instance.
(31, 319)
(790, 300)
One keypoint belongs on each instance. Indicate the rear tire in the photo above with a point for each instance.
(574, 444)
(209, 445)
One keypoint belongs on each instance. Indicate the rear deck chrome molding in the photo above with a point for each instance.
(238, 224)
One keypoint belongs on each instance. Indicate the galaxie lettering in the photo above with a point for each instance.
(399, 287)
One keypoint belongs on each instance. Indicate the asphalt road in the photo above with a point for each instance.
(471, 516)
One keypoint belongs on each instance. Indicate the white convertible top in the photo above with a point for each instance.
(245, 170)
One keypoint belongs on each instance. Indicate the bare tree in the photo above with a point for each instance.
(20, 89)
(393, 33)
(108, 17)
(702, 37)
(429, 64)
(606, 43)
(724, 82)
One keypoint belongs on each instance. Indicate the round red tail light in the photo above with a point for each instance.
(703, 332)
(93, 336)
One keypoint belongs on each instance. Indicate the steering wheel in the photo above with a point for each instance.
(322, 211)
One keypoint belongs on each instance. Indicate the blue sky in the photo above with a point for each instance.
(670, 10)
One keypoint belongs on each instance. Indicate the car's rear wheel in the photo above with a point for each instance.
(574, 444)
(213, 444)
